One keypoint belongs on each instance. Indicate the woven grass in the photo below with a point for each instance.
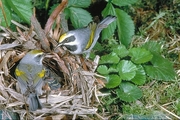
(78, 95)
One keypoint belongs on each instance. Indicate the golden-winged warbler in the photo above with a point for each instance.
(29, 73)
(82, 40)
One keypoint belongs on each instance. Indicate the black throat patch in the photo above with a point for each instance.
(71, 47)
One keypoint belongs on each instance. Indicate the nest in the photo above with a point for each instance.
(79, 91)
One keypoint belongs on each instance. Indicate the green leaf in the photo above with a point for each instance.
(120, 50)
(111, 58)
(79, 17)
(153, 47)
(140, 55)
(161, 69)
(67, 13)
(108, 10)
(16, 18)
(113, 81)
(98, 47)
(127, 70)
(79, 3)
(8, 15)
(140, 77)
(128, 92)
(22, 7)
(125, 27)
(103, 69)
(123, 2)
(108, 32)
(113, 68)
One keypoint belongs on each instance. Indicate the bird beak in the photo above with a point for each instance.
(59, 44)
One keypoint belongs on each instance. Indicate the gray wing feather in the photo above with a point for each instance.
(103, 24)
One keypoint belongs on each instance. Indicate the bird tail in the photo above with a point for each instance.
(106, 21)
(103, 24)
(34, 102)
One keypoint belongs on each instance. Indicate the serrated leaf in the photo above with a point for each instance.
(17, 18)
(79, 17)
(108, 32)
(128, 92)
(102, 69)
(8, 15)
(127, 70)
(79, 3)
(140, 77)
(153, 47)
(125, 27)
(108, 10)
(161, 69)
(120, 50)
(123, 2)
(113, 81)
(111, 58)
(22, 7)
(140, 55)
(113, 68)
(98, 47)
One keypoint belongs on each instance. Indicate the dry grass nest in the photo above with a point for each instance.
(79, 91)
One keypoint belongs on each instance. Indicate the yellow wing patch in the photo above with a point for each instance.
(92, 27)
(41, 74)
(19, 72)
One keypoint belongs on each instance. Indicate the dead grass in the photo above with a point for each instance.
(78, 95)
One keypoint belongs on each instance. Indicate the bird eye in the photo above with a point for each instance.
(38, 58)
(69, 39)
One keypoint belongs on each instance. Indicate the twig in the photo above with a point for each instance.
(53, 16)
(19, 25)
(40, 33)
(2, 8)
(171, 113)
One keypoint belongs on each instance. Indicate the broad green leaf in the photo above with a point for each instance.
(108, 32)
(79, 17)
(103, 69)
(125, 27)
(67, 13)
(108, 10)
(98, 47)
(120, 50)
(123, 2)
(161, 69)
(140, 55)
(113, 81)
(111, 58)
(127, 70)
(22, 7)
(113, 68)
(17, 18)
(8, 15)
(79, 3)
(153, 47)
(140, 77)
(128, 92)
